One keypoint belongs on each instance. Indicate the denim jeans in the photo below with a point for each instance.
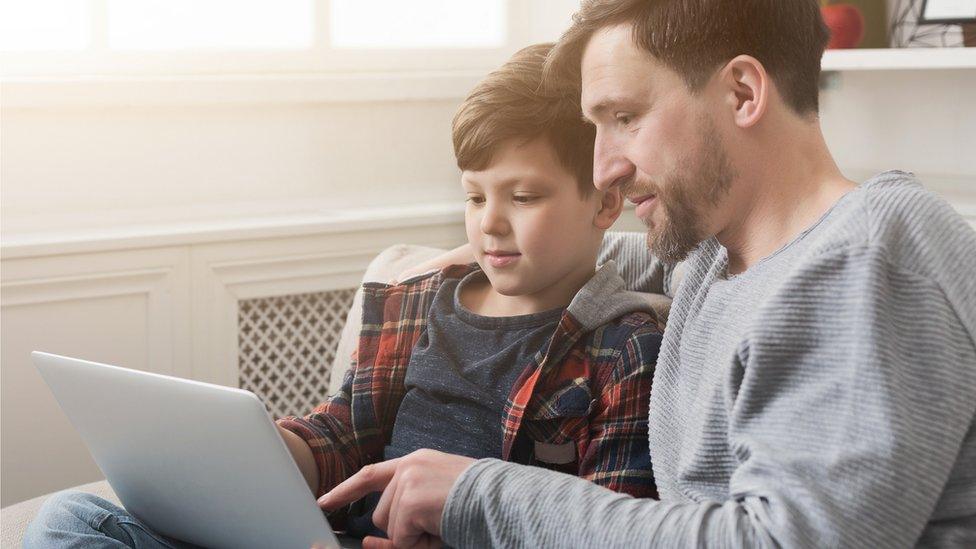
(81, 520)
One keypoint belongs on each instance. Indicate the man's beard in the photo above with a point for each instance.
(697, 185)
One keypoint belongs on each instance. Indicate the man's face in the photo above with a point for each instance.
(528, 226)
(656, 141)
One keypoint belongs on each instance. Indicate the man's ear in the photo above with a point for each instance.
(748, 87)
(611, 203)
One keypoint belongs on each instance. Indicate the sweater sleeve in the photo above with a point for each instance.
(850, 416)
(641, 271)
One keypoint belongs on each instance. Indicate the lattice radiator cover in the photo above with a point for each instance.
(286, 345)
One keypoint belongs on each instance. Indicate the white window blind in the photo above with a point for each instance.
(210, 24)
(44, 25)
(254, 36)
(417, 24)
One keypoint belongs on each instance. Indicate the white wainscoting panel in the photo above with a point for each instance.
(130, 308)
(166, 300)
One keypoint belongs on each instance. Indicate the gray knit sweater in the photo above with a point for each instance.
(823, 398)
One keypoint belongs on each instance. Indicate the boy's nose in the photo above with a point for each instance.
(609, 166)
(493, 221)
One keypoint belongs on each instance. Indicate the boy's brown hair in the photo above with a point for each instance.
(696, 37)
(512, 103)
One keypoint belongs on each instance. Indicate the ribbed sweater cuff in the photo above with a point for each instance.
(464, 517)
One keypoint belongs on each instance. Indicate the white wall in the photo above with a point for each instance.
(64, 159)
(351, 154)
(916, 120)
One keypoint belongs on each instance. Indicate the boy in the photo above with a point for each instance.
(487, 360)
(530, 355)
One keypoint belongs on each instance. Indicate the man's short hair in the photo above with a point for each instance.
(512, 103)
(695, 38)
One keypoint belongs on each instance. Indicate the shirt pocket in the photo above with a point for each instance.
(557, 426)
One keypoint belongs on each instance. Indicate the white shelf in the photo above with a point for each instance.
(899, 59)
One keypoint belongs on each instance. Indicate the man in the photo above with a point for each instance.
(817, 381)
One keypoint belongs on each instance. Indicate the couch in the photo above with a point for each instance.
(392, 261)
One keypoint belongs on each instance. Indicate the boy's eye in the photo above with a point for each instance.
(523, 199)
(475, 199)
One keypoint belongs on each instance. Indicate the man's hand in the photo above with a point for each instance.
(415, 489)
(461, 255)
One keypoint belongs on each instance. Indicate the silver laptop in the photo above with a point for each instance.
(197, 462)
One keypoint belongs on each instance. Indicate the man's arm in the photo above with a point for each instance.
(847, 426)
(461, 255)
(846, 429)
(639, 268)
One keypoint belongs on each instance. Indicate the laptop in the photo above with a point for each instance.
(195, 461)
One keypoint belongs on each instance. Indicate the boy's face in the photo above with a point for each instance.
(529, 228)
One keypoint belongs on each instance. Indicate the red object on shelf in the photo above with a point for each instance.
(846, 25)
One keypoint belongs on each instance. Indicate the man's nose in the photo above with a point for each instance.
(610, 167)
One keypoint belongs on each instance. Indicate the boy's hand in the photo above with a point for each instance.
(415, 489)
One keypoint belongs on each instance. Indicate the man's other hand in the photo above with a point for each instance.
(415, 489)
(461, 255)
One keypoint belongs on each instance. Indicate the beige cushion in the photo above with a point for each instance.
(15, 518)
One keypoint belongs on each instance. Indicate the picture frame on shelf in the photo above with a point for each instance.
(948, 12)
(933, 23)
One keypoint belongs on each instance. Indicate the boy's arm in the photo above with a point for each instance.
(350, 429)
(618, 457)
(331, 439)
(302, 454)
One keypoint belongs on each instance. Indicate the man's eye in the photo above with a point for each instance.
(624, 119)
(523, 199)
(476, 199)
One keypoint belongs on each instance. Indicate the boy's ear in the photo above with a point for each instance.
(611, 203)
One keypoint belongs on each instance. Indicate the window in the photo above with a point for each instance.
(377, 24)
(127, 37)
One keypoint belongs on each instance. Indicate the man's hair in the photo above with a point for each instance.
(695, 38)
(512, 103)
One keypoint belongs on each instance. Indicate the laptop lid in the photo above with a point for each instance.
(195, 461)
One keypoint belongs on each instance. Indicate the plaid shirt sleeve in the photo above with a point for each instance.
(351, 428)
(338, 449)
(618, 455)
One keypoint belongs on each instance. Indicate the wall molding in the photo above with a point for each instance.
(226, 273)
(237, 90)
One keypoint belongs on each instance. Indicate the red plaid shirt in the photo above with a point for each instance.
(579, 406)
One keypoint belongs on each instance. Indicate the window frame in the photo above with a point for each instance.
(99, 60)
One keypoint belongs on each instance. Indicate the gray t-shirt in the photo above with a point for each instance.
(461, 373)
(824, 398)
(460, 376)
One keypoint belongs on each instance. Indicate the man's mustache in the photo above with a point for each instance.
(634, 186)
